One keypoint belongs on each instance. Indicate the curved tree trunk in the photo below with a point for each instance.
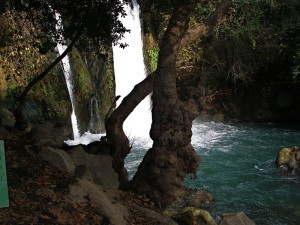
(114, 126)
(22, 99)
(172, 157)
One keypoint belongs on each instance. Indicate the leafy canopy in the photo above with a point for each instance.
(96, 19)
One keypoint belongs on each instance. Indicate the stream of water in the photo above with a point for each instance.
(65, 63)
(79, 137)
(129, 70)
(238, 168)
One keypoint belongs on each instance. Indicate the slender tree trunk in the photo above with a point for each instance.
(172, 157)
(114, 126)
(22, 98)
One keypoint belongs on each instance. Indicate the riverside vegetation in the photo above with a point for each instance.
(225, 61)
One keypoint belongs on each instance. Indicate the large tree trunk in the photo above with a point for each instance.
(172, 157)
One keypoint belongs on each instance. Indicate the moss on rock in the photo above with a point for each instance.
(289, 159)
(192, 215)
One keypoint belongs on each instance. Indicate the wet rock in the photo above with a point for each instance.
(201, 199)
(7, 118)
(236, 218)
(58, 158)
(114, 211)
(192, 215)
(98, 147)
(289, 159)
(50, 134)
(100, 166)
(190, 197)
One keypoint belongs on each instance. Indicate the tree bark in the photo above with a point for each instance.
(172, 157)
(114, 127)
(160, 175)
(214, 20)
(22, 98)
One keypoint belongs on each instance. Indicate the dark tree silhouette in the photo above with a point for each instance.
(166, 164)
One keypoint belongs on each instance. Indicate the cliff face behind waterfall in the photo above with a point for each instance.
(21, 61)
(248, 73)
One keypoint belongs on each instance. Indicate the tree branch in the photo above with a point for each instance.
(114, 126)
(139, 92)
(35, 80)
(200, 29)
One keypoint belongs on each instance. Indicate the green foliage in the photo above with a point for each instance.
(20, 63)
(153, 53)
(6, 28)
(82, 77)
(92, 18)
(258, 35)
(12, 91)
(19, 60)
(109, 71)
(203, 10)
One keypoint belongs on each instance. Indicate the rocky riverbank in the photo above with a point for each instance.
(52, 183)
(41, 193)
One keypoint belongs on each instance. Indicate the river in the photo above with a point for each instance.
(238, 168)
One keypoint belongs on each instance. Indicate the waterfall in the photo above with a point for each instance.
(130, 69)
(95, 120)
(87, 137)
(69, 78)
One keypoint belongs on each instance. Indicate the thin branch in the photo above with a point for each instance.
(35, 80)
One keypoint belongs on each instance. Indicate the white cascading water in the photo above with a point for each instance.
(129, 70)
(87, 137)
(95, 122)
(69, 78)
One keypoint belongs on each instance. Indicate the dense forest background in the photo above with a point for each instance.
(247, 69)
(223, 60)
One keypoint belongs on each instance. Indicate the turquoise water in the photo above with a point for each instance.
(238, 168)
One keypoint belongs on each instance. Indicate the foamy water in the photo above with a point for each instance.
(238, 168)
(85, 139)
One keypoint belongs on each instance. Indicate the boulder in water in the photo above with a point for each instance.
(236, 218)
(192, 215)
(190, 197)
(201, 199)
(289, 159)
